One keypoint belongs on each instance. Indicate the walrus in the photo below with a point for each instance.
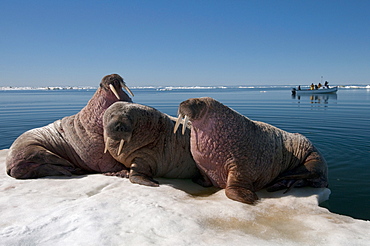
(73, 145)
(141, 138)
(244, 156)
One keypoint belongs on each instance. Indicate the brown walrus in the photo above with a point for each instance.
(73, 145)
(244, 156)
(141, 138)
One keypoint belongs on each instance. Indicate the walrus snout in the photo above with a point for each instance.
(119, 128)
(190, 109)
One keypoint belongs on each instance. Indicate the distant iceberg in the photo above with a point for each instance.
(171, 88)
(355, 86)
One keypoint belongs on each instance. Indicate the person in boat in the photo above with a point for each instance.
(319, 85)
(312, 87)
(326, 84)
(316, 87)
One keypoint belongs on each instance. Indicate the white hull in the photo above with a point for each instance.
(318, 91)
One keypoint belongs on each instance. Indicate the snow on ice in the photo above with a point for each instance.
(101, 210)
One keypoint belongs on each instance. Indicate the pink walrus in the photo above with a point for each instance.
(73, 145)
(244, 156)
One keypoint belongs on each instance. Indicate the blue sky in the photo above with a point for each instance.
(204, 42)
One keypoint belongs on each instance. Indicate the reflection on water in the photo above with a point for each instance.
(316, 99)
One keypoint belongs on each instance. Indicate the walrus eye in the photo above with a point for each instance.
(199, 105)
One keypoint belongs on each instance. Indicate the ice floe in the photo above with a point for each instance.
(101, 210)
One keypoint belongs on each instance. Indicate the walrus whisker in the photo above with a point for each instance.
(186, 119)
(178, 121)
(126, 88)
(120, 146)
(114, 91)
(106, 145)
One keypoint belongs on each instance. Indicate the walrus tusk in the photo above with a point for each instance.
(183, 121)
(120, 146)
(114, 91)
(106, 145)
(127, 89)
(186, 119)
(178, 121)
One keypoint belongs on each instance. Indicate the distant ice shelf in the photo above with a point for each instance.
(15, 88)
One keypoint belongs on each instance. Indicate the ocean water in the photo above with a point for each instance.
(338, 125)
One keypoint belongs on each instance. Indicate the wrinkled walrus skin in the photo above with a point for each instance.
(244, 156)
(148, 145)
(73, 145)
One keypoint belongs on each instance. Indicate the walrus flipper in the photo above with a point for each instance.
(287, 184)
(123, 173)
(41, 162)
(140, 176)
(239, 190)
(202, 179)
(313, 172)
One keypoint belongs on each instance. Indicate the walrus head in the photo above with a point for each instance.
(130, 126)
(115, 83)
(118, 127)
(192, 109)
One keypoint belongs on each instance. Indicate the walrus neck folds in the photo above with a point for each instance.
(92, 113)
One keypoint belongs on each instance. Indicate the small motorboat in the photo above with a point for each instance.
(316, 91)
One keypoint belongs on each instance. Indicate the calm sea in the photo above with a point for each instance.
(339, 125)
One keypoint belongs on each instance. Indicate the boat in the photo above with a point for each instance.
(316, 91)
